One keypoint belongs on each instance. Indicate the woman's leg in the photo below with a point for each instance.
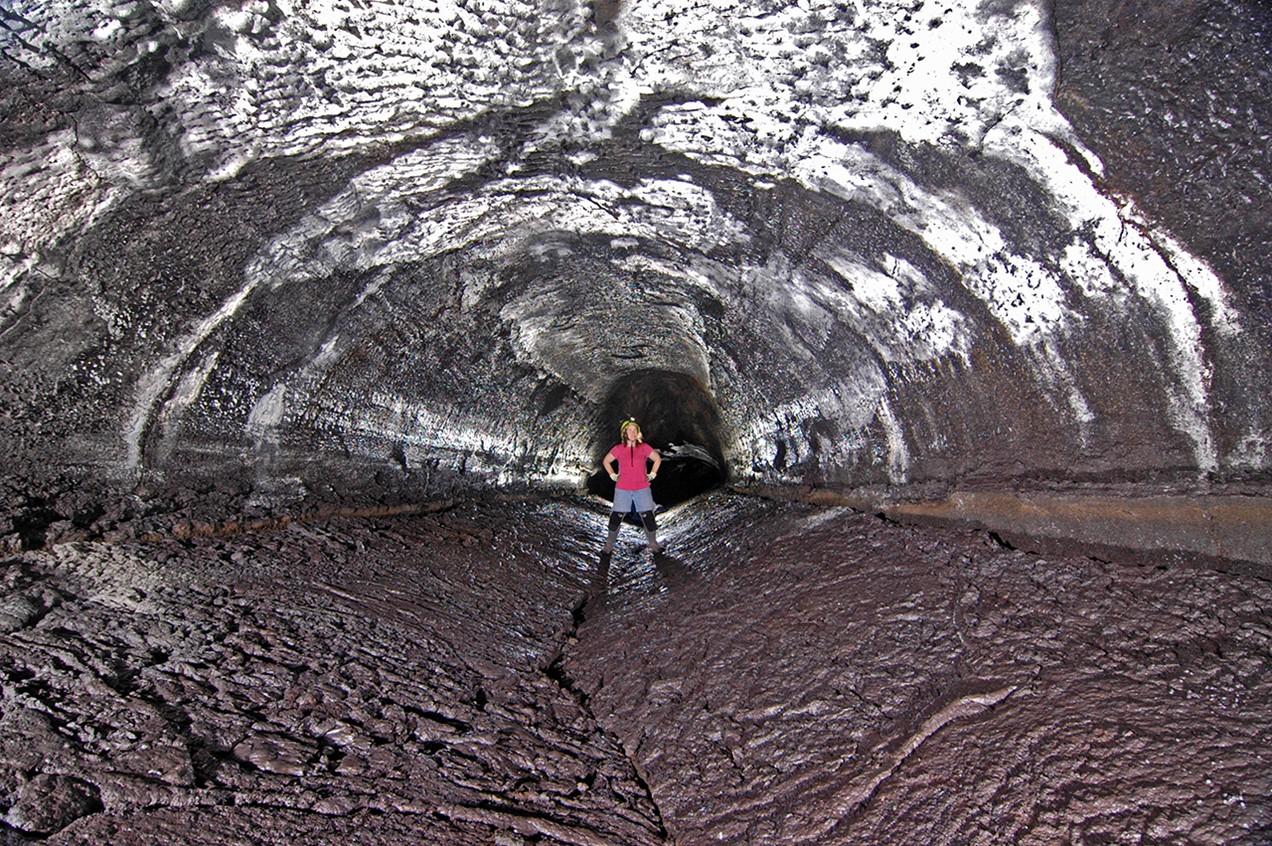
(616, 520)
(622, 504)
(651, 530)
(644, 502)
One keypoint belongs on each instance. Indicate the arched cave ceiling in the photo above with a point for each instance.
(413, 246)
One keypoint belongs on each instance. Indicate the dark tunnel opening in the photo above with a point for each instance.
(679, 418)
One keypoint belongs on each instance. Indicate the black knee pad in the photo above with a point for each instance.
(616, 520)
(647, 518)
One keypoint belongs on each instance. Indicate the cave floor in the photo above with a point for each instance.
(787, 673)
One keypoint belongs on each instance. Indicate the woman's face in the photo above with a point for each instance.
(629, 433)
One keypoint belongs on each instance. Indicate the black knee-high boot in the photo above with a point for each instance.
(615, 521)
(651, 530)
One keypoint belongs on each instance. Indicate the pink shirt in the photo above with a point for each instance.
(631, 466)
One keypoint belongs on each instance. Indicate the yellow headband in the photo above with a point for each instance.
(622, 430)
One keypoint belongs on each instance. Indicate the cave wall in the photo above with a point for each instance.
(314, 250)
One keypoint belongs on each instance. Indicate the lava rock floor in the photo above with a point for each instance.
(785, 674)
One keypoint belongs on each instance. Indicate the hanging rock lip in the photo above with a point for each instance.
(1226, 532)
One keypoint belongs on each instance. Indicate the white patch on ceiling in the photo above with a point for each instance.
(774, 77)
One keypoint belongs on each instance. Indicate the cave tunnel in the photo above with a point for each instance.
(678, 418)
(953, 322)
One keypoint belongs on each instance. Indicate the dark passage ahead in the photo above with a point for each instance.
(679, 419)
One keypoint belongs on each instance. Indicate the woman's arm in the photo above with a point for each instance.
(657, 459)
(610, 466)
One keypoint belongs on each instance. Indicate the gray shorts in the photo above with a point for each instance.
(643, 499)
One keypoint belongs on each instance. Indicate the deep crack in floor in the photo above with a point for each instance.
(557, 672)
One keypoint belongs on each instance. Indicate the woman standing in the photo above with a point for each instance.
(632, 483)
